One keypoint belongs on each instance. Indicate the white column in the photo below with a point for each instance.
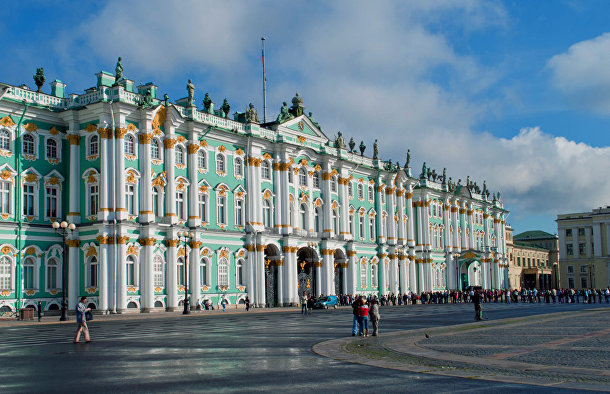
(352, 270)
(250, 270)
(290, 275)
(465, 243)
(147, 285)
(410, 220)
(279, 202)
(171, 285)
(326, 208)
(328, 271)
(74, 213)
(382, 282)
(283, 168)
(471, 227)
(456, 226)
(260, 275)
(391, 209)
(344, 209)
(413, 283)
(194, 267)
(400, 195)
(170, 194)
(280, 282)
(193, 195)
(575, 242)
(402, 267)
(318, 267)
(146, 209)
(104, 294)
(73, 273)
(120, 209)
(106, 163)
(121, 272)
(393, 271)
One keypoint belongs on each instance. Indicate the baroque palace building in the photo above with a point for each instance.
(275, 209)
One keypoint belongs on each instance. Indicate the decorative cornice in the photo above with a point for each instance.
(122, 239)
(169, 143)
(147, 241)
(193, 148)
(73, 243)
(74, 139)
(172, 243)
(145, 138)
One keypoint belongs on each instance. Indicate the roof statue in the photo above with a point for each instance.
(313, 121)
(39, 78)
(444, 176)
(339, 141)
(146, 101)
(375, 150)
(165, 99)
(297, 108)
(284, 114)
(451, 185)
(226, 107)
(408, 159)
(251, 114)
(388, 166)
(208, 105)
(118, 72)
(190, 88)
(499, 196)
(424, 171)
(352, 144)
(362, 148)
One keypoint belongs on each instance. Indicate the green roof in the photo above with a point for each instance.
(535, 234)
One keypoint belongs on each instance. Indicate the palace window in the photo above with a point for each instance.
(6, 273)
(568, 232)
(156, 203)
(28, 274)
(360, 191)
(303, 177)
(221, 209)
(361, 226)
(52, 202)
(351, 224)
(569, 250)
(5, 140)
(180, 271)
(129, 145)
(239, 272)
(223, 272)
(363, 275)
(51, 149)
(93, 272)
(130, 271)
(28, 200)
(93, 199)
(52, 271)
(316, 180)
(155, 150)
(5, 194)
(158, 271)
(581, 249)
(202, 159)
(290, 176)
(372, 228)
(374, 276)
(220, 163)
(238, 167)
(93, 145)
(581, 232)
(130, 198)
(203, 207)
(28, 145)
(267, 221)
(371, 193)
(239, 212)
(350, 190)
(583, 269)
(317, 219)
(303, 216)
(180, 205)
(333, 184)
(203, 272)
(335, 219)
(179, 152)
(265, 170)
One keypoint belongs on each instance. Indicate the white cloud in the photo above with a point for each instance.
(582, 74)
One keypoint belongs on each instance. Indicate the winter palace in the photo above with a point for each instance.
(271, 210)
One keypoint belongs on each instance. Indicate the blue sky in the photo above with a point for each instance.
(513, 92)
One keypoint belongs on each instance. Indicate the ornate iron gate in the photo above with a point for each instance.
(338, 279)
(271, 285)
(306, 278)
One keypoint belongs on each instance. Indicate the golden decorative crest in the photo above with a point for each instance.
(203, 143)
(318, 203)
(31, 127)
(169, 143)
(193, 148)
(91, 251)
(180, 185)
(301, 125)
(239, 152)
(53, 130)
(131, 127)
(30, 250)
(132, 250)
(267, 156)
(205, 251)
(5, 174)
(5, 250)
(90, 128)
(303, 162)
(221, 148)
(31, 178)
(7, 122)
(181, 252)
(158, 289)
(159, 119)
(131, 176)
(224, 253)
(30, 292)
(317, 167)
(91, 177)
(267, 194)
(335, 205)
(180, 139)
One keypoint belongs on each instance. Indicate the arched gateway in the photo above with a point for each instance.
(340, 265)
(308, 265)
(273, 259)
(470, 269)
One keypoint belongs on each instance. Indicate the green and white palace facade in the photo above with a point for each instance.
(275, 209)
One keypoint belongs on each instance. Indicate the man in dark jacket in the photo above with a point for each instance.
(355, 306)
(476, 300)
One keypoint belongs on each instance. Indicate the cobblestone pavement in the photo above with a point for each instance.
(565, 349)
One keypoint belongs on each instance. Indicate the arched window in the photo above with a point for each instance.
(221, 209)
(130, 197)
(180, 271)
(265, 170)
(155, 201)
(239, 272)
(303, 177)
(318, 219)
(51, 149)
(6, 273)
(372, 227)
(374, 276)
(363, 278)
(93, 269)
(239, 212)
(131, 271)
(223, 272)
(180, 205)
(361, 226)
(267, 221)
(179, 152)
(93, 145)
(238, 165)
(52, 274)
(202, 159)
(28, 274)
(158, 271)
(333, 184)
(351, 224)
(28, 144)
(129, 145)
(203, 272)
(93, 199)
(155, 150)
(371, 193)
(360, 191)
(316, 180)
(203, 207)
(350, 190)
(303, 216)
(220, 163)
(335, 220)
(5, 139)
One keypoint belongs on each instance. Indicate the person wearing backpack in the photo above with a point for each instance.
(81, 320)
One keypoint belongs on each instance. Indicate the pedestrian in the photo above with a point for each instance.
(224, 304)
(375, 316)
(363, 318)
(303, 301)
(198, 307)
(309, 304)
(39, 310)
(247, 304)
(81, 320)
(478, 311)
(355, 323)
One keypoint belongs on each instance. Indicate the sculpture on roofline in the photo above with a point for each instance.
(313, 121)
(118, 72)
(284, 114)
(424, 170)
(39, 78)
(408, 162)
(362, 148)
(251, 114)
(444, 176)
(225, 108)
(166, 99)
(146, 101)
(375, 150)
(190, 88)
(207, 104)
(352, 144)
(339, 141)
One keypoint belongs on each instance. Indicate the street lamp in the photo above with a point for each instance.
(185, 236)
(65, 229)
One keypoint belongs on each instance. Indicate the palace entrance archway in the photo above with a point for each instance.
(340, 264)
(272, 259)
(306, 272)
(470, 269)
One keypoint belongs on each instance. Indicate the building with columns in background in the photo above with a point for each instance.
(274, 208)
(584, 249)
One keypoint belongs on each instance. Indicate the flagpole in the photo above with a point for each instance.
(264, 84)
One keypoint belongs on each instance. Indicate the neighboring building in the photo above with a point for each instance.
(514, 272)
(539, 252)
(584, 241)
(275, 209)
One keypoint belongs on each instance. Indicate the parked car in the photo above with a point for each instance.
(326, 302)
